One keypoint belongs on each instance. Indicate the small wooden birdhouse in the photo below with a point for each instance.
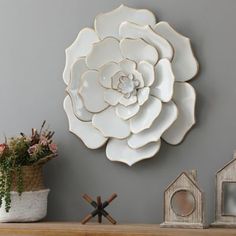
(226, 195)
(183, 203)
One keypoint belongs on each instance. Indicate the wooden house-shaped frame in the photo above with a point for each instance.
(225, 176)
(185, 182)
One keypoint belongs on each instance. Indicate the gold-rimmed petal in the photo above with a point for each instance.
(90, 136)
(185, 98)
(92, 92)
(106, 73)
(184, 63)
(143, 95)
(138, 50)
(79, 48)
(146, 116)
(107, 24)
(127, 66)
(163, 85)
(128, 101)
(134, 31)
(166, 118)
(147, 71)
(104, 51)
(78, 68)
(118, 150)
(126, 112)
(112, 96)
(110, 125)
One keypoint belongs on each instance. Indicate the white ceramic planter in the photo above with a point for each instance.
(29, 207)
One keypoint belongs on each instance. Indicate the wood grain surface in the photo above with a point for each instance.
(76, 229)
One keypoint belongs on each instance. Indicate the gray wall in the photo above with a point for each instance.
(33, 36)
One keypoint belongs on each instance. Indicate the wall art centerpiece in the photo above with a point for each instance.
(127, 85)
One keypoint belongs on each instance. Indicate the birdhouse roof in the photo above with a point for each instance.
(186, 175)
(227, 165)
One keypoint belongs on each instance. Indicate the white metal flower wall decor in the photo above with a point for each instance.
(127, 85)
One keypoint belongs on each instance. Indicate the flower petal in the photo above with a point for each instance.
(127, 66)
(110, 124)
(78, 68)
(143, 95)
(184, 98)
(126, 112)
(166, 118)
(118, 150)
(138, 76)
(106, 72)
(112, 96)
(134, 31)
(147, 114)
(163, 86)
(184, 63)
(138, 50)
(107, 50)
(147, 71)
(79, 48)
(107, 24)
(90, 136)
(92, 92)
(128, 101)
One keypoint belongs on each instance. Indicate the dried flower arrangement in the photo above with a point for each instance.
(21, 151)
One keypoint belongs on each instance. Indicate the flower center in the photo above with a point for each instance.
(127, 84)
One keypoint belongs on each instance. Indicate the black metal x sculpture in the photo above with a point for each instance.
(99, 209)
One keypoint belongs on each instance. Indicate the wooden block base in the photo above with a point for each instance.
(218, 224)
(183, 225)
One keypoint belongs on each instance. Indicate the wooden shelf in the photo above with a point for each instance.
(76, 229)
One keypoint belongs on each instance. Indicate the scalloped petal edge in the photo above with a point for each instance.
(89, 135)
(129, 14)
(118, 150)
(184, 63)
(79, 48)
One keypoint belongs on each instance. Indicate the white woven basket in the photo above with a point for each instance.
(29, 207)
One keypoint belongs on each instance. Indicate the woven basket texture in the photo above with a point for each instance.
(32, 178)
